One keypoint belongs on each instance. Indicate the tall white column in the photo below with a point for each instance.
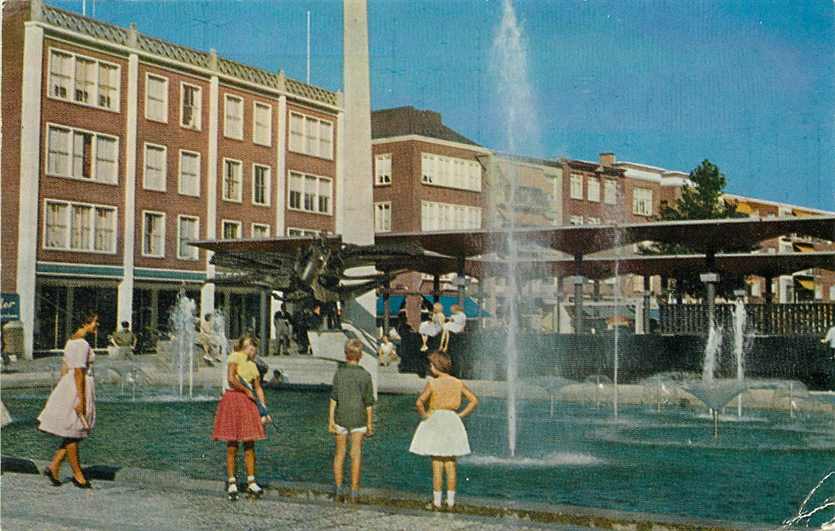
(207, 292)
(125, 292)
(30, 148)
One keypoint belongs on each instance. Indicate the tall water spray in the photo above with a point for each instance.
(183, 321)
(714, 345)
(219, 331)
(740, 318)
(515, 99)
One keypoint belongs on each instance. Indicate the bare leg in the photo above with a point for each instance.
(356, 459)
(249, 458)
(339, 458)
(58, 459)
(231, 457)
(75, 465)
(437, 473)
(451, 475)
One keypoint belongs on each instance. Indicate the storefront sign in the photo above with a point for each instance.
(9, 306)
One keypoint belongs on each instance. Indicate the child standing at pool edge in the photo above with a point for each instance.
(350, 411)
(441, 433)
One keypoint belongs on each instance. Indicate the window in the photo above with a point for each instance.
(83, 80)
(260, 231)
(188, 229)
(310, 193)
(427, 168)
(593, 191)
(231, 230)
(80, 227)
(642, 201)
(260, 185)
(450, 172)
(610, 192)
(232, 180)
(82, 155)
(189, 182)
(262, 124)
(302, 233)
(190, 106)
(233, 122)
(444, 216)
(576, 220)
(832, 293)
(153, 234)
(593, 221)
(382, 217)
(382, 169)
(155, 168)
(311, 136)
(156, 98)
(576, 186)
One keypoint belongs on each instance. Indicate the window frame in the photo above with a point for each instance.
(148, 76)
(291, 143)
(180, 172)
(636, 201)
(593, 184)
(72, 56)
(579, 180)
(67, 247)
(238, 223)
(304, 233)
(226, 132)
(197, 116)
(255, 105)
(240, 165)
(163, 215)
(382, 207)
(145, 186)
(196, 219)
(262, 225)
(70, 154)
(378, 181)
(267, 185)
(319, 179)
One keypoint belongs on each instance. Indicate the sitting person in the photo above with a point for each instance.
(433, 326)
(455, 325)
(387, 352)
(124, 337)
(210, 342)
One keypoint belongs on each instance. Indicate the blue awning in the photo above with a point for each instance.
(471, 307)
(395, 301)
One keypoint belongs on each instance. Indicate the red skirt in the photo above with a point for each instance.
(237, 419)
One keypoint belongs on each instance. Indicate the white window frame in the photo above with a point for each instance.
(227, 132)
(267, 184)
(449, 216)
(576, 186)
(237, 223)
(180, 189)
(265, 226)
(93, 154)
(148, 76)
(450, 172)
(639, 202)
(71, 80)
(269, 132)
(305, 134)
(145, 251)
(382, 214)
(382, 161)
(593, 189)
(575, 220)
(145, 186)
(197, 113)
(319, 180)
(196, 251)
(68, 227)
(296, 232)
(239, 198)
(610, 191)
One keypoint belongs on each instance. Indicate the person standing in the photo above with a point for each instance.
(281, 320)
(237, 419)
(441, 433)
(350, 412)
(70, 411)
(124, 337)
(830, 338)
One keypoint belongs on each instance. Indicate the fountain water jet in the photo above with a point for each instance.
(183, 320)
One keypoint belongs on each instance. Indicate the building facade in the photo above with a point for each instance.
(121, 148)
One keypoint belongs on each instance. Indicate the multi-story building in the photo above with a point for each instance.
(119, 149)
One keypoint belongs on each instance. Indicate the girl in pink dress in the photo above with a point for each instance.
(70, 411)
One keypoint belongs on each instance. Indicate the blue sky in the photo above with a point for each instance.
(748, 85)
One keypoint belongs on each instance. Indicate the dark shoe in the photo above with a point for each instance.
(80, 485)
(48, 473)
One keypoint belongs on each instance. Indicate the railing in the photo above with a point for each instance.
(795, 319)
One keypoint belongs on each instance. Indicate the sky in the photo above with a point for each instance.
(747, 85)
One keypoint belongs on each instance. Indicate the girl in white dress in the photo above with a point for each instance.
(433, 326)
(70, 411)
(441, 433)
(455, 325)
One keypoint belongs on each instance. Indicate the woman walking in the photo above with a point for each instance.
(238, 419)
(441, 433)
(70, 411)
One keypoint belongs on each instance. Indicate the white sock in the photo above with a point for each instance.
(250, 479)
(436, 498)
(450, 498)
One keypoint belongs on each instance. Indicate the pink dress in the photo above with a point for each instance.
(58, 416)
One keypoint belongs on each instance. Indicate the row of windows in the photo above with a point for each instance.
(311, 136)
(310, 193)
(579, 220)
(233, 182)
(610, 189)
(80, 154)
(445, 216)
(155, 176)
(84, 80)
(84, 227)
(450, 172)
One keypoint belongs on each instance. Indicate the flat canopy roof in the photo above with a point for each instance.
(702, 235)
(765, 265)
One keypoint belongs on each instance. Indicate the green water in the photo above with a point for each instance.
(760, 470)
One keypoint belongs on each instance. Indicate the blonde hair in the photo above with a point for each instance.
(441, 362)
(241, 342)
(437, 307)
(353, 350)
(457, 308)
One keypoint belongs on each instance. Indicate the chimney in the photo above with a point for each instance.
(607, 160)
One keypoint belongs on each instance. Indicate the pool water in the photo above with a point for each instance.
(760, 469)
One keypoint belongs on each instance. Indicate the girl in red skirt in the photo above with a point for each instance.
(237, 419)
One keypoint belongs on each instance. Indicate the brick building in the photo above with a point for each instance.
(119, 149)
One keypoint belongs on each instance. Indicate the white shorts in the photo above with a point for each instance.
(341, 430)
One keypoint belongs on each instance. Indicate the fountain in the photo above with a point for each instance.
(219, 331)
(739, 320)
(183, 320)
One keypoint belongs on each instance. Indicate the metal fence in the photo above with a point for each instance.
(794, 319)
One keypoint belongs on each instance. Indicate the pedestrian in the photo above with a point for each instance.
(350, 411)
(433, 326)
(237, 419)
(70, 411)
(455, 325)
(124, 337)
(387, 352)
(441, 433)
(830, 338)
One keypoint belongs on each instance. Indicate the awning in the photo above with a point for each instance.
(471, 307)
(803, 247)
(743, 207)
(805, 283)
(395, 301)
